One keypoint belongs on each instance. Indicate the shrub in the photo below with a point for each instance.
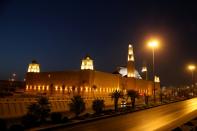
(65, 119)
(87, 115)
(56, 117)
(16, 128)
(177, 129)
(29, 120)
(77, 105)
(98, 105)
(2, 125)
(108, 112)
(145, 106)
(152, 104)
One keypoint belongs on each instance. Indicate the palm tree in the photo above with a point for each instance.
(44, 108)
(77, 105)
(32, 118)
(161, 96)
(132, 94)
(39, 110)
(115, 96)
(98, 105)
(146, 97)
(34, 110)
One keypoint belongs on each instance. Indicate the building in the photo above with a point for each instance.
(11, 86)
(87, 82)
(63, 85)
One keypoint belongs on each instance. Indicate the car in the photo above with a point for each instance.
(123, 104)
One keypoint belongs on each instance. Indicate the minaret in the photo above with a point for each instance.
(34, 67)
(144, 71)
(87, 63)
(130, 63)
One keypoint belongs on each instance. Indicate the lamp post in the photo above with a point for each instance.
(192, 68)
(153, 44)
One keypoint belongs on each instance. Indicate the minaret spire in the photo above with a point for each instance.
(144, 71)
(130, 53)
(130, 62)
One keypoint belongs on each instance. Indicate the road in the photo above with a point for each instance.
(164, 117)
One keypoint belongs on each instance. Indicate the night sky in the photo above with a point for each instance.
(58, 34)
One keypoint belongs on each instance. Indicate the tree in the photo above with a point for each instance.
(77, 105)
(146, 97)
(116, 95)
(132, 94)
(98, 105)
(45, 110)
(161, 96)
(34, 110)
(38, 112)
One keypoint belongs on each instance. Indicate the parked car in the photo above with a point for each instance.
(123, 103)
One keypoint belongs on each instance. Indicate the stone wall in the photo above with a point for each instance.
(86, 82)
(17, 107)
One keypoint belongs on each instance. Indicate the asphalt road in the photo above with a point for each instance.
(165, 117)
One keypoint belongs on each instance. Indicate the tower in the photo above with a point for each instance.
(34, 67)
(144, 71)
(130, 62)
(87, 63)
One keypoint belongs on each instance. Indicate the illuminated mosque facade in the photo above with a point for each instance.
(88, 82)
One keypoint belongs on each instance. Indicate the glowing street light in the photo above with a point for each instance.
(154, 43)
(192, 68)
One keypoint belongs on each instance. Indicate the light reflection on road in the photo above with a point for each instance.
(160, 118)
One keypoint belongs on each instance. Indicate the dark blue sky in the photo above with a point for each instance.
(59, 33)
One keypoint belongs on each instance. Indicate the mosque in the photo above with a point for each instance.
(88, 82)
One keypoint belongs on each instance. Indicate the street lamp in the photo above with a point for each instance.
(192, 68)
(153, 44)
